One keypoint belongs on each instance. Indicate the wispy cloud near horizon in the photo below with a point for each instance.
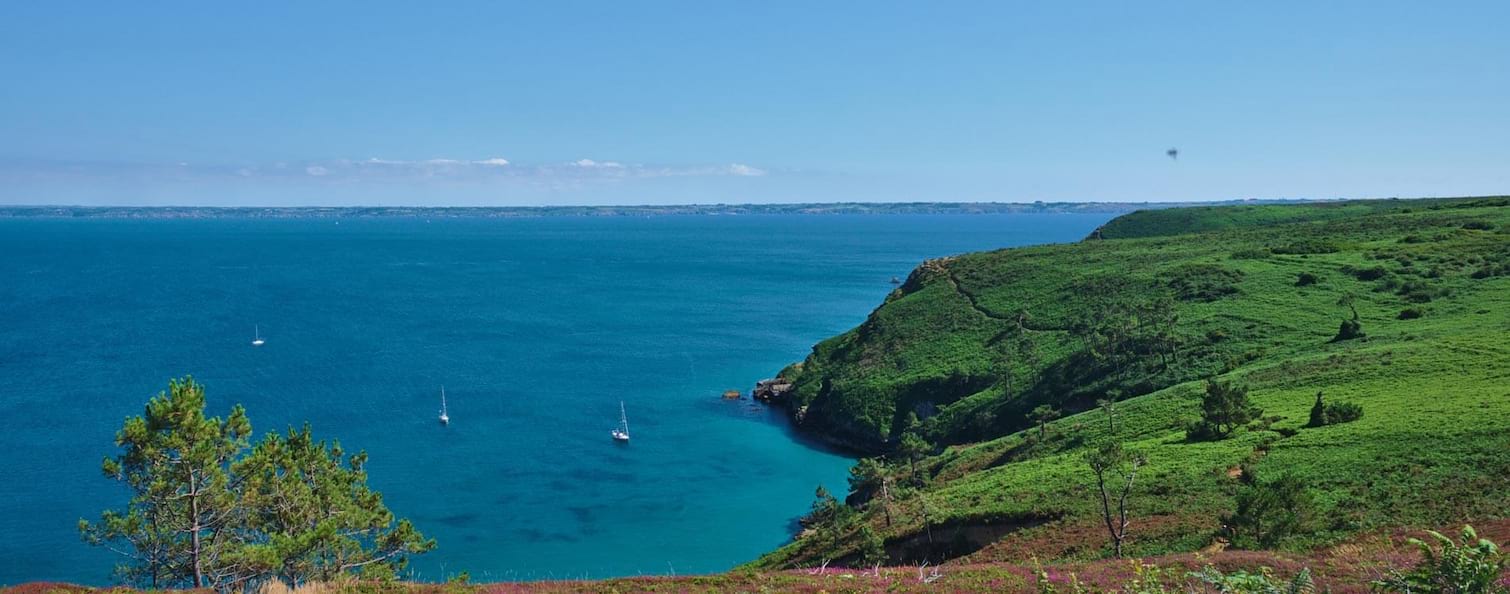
(380, 168)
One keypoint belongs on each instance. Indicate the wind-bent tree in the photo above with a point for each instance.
(175, 461)
(1042, 415)
(207, 514)
(1115, 469)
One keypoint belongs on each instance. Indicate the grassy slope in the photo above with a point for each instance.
(1435, 390)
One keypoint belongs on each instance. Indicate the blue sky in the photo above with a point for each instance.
(568, 102)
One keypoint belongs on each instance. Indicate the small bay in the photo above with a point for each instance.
(537, 327)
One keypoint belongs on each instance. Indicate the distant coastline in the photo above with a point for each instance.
(866, 208)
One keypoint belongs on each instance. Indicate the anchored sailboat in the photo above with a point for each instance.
(256, 336)
(621, 433)
(445, 419)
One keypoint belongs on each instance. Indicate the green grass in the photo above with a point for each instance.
(1435, 389)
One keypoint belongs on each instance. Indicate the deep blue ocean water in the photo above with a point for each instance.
(538, 328)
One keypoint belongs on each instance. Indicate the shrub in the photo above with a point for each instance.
(1471, 566)
(1411, 313)
(1269, 512)
(1306, 279)
(1343, 412)
(1478, 225)
(1203, 282)
(1251, 254)
(1366, 274)
(1349, 330)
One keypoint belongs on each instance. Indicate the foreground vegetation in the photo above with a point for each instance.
(209, 510)
(1383, 563)
(1258, 377)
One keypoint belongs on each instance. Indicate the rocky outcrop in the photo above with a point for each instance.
(778, 392)
(772, 391)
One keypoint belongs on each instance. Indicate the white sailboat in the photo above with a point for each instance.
(256, 336)
(621, 433)
(445, 419)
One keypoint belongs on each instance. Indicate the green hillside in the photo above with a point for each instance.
(1257, 296)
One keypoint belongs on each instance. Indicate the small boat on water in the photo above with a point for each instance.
(257, 336)
(445, 419)
(621, 433)
(896, 281)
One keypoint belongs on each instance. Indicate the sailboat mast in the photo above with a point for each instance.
(623, 418)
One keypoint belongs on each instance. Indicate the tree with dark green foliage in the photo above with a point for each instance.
(823, 509)
(869, 481)
(1269, 512)
(175, 461)
(1471, 565)
(1224, 408)
(1042, 415)
(913, 448)
(318, 517)
(872, 550)
(207, 514)
(1318, 412)
(1350, 328)
(1115, 469)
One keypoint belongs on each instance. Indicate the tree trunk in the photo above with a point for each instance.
(194, 528)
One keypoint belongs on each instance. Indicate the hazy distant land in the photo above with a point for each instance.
(199, 212)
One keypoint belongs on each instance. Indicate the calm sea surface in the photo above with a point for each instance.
(538, 328)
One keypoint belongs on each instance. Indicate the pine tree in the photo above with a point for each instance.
(205, 513)
(176, 463)
(1042, 415)
(319, 518)
(1318, 413)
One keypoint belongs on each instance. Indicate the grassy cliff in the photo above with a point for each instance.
(1142, 315)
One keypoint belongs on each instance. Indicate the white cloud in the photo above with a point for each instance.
(494, 162)
(589, 163)
(316, 170)
(745, 170)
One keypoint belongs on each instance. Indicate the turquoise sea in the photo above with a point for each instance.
(536, 327)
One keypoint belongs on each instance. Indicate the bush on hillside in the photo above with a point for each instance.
(1251, 254)
(1333, 413)
(1366, 274)
(1479, 225)
(1268, 512)
(1349, 330)
(1411, 313)
(1306, 279)
(1203, 282)
(1343, 412)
